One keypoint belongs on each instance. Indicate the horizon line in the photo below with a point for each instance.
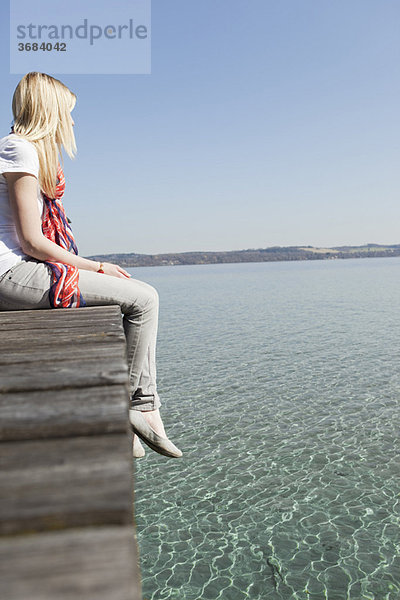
(368, 244)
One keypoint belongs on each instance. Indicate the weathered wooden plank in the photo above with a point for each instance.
(96, 321)
(70, 412)
(75, 316)
(65, 482)
(56, 335)
(91, 564)
(58, 374)
(73, 322)
(54, 328)
(42, 354)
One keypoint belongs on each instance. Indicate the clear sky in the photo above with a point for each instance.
(262, 123)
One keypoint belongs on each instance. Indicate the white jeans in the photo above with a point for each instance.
(26, 286)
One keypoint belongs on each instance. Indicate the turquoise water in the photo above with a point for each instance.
(280, 382)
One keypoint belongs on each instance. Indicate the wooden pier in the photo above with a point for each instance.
(66, 468)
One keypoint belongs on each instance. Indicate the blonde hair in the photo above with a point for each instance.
(41, 107)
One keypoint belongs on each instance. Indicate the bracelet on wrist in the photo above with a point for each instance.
(100, 269)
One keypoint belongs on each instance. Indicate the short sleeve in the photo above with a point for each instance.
(18, 155)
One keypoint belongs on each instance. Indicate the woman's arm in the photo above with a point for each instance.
(22, 188)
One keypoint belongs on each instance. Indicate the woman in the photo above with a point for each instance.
(39, 263)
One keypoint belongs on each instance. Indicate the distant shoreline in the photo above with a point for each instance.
(272, 254)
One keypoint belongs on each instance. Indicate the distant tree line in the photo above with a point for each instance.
(275, 253)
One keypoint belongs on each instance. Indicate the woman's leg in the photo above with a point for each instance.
(25, 286)
(139, 305)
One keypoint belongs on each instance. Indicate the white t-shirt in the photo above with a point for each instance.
(17, 155)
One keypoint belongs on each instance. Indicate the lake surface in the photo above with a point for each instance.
(280, 382)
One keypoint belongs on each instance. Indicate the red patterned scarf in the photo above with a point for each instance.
(64, 291)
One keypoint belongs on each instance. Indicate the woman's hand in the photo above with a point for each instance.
(115, 270)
